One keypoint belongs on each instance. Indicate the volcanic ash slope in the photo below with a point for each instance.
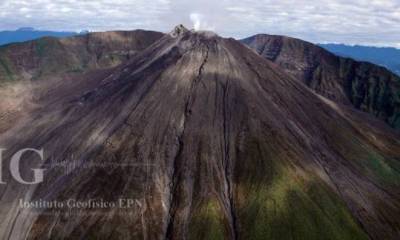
(213, 142)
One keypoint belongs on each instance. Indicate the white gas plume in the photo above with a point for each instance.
(199, 22)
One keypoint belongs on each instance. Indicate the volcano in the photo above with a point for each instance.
(211, 141)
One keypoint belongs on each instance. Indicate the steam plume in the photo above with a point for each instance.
(199, 23)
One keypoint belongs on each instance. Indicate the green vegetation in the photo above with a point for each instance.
(294, 208)
(365, 159)
(381, 168)
(4, 64)
(207, 223)
(41, 46)
(277, 201)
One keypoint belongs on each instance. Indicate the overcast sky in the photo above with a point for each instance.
(366, 22)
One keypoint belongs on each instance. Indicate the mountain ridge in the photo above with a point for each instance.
(49, 55)
(366, 86)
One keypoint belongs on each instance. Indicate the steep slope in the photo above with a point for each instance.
(366, 86)
(212, 142)
(52, 56)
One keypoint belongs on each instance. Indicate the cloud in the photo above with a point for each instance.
(373, 22)
(76, 14)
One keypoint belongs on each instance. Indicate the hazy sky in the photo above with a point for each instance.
(368, 22)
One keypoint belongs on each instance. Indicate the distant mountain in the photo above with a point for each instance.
(366, 86)
(27, 33)
(387, 57)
